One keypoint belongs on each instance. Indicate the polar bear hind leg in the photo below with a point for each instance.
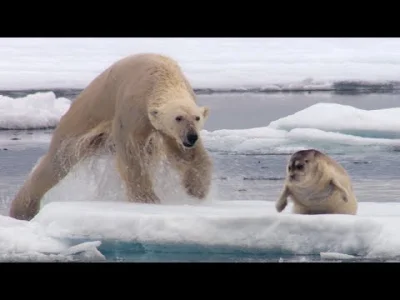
(53, 167)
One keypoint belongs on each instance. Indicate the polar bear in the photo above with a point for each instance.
(141, 108)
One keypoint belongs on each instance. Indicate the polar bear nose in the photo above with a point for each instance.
(192, 138)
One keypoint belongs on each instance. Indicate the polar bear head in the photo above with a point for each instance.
(180, 121)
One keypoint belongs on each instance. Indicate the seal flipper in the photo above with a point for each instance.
(335, 183)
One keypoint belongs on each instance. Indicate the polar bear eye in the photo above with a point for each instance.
(178, 118)
(197, 118)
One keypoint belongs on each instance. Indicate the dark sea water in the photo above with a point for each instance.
(239, 176)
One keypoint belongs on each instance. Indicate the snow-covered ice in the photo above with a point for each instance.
(249, 226)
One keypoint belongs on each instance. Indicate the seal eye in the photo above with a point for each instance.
(306, 161)
(178, 118)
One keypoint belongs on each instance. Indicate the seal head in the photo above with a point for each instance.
(302, 163)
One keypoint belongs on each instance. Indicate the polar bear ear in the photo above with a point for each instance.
(205, 111)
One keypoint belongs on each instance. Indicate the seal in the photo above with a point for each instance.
(317, 184)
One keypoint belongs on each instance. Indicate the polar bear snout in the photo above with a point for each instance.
(190, 139)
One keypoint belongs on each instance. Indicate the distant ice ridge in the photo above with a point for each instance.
(319, 125)
(249, 226)
(35, 111)
(345, 119)
(229, 64)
